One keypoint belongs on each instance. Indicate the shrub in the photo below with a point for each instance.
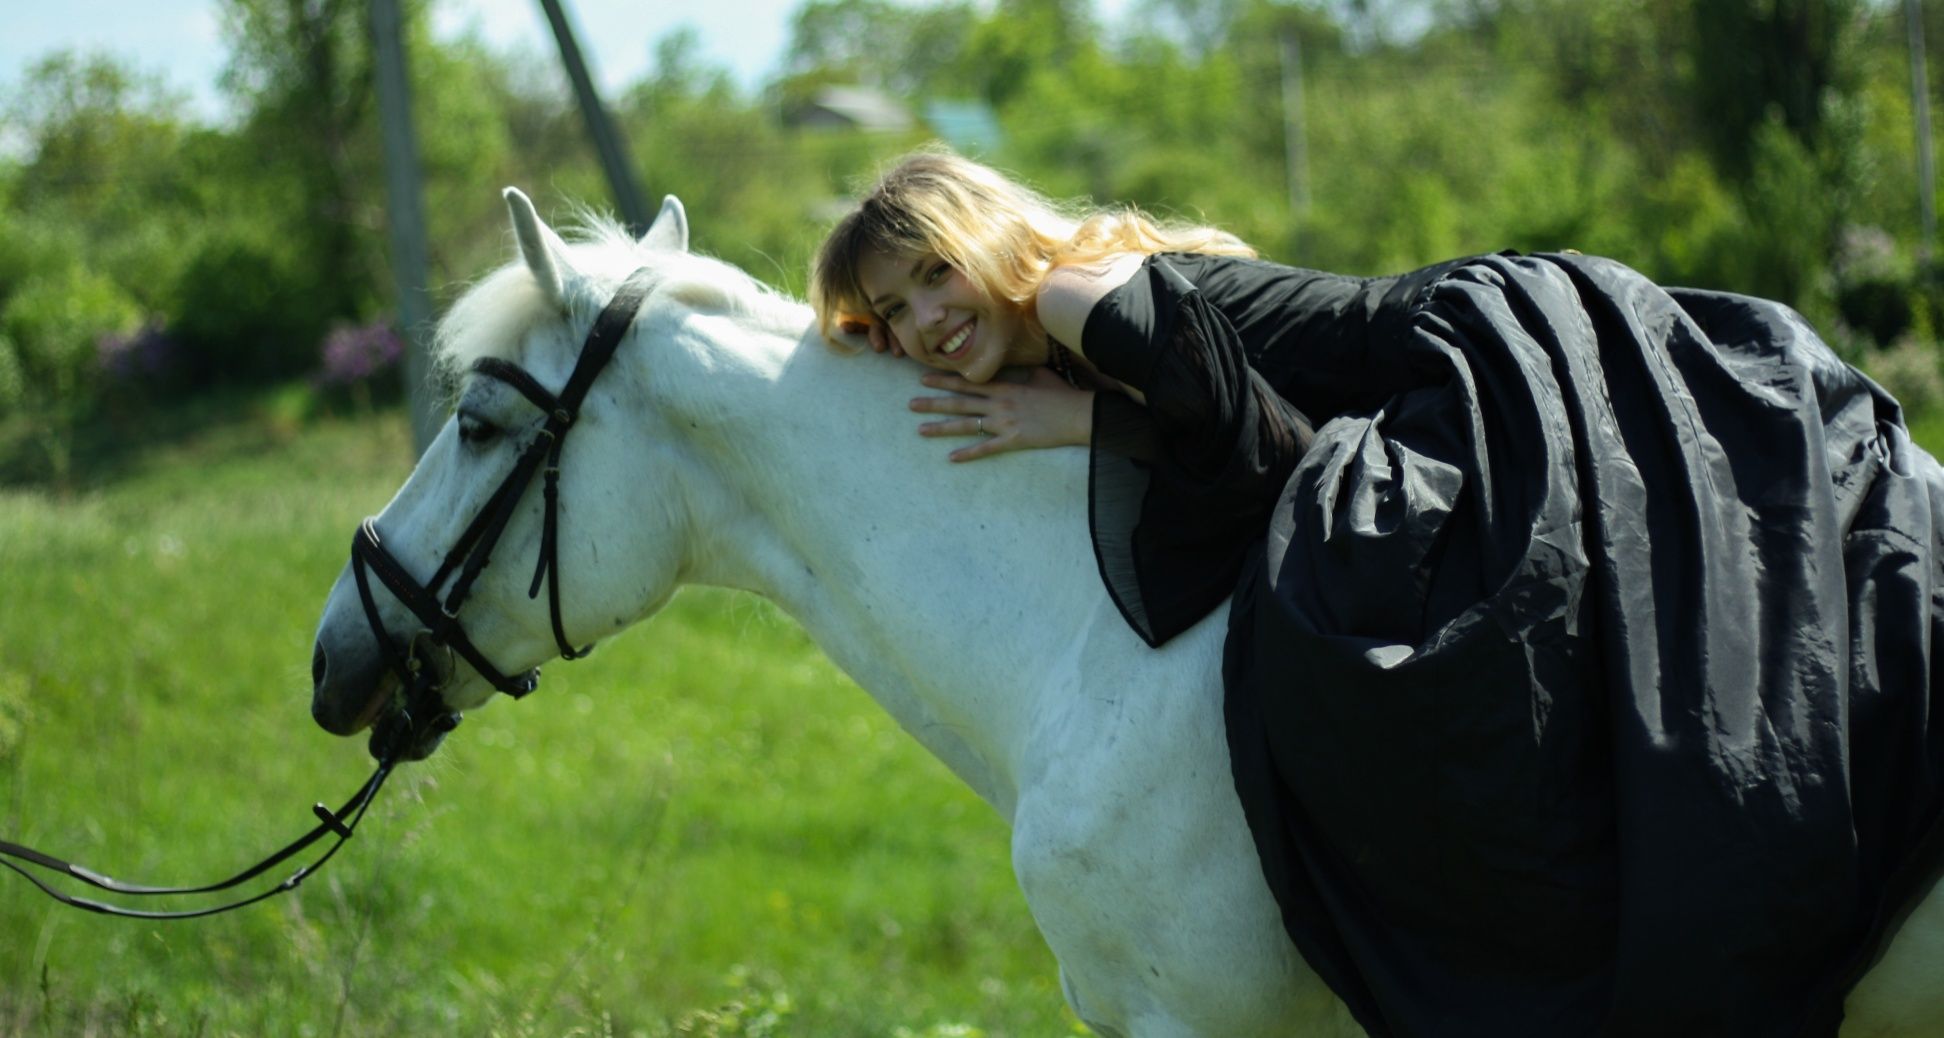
(1876, 291)
(13, 382)
(147, 355)
(1910, 372)
(54, 321)
(242, 313)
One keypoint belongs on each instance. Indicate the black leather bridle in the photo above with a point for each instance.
(469, 555)
(419, 711)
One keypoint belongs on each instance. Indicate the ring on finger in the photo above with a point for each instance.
(982, 431)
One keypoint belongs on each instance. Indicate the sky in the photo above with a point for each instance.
(181, 40)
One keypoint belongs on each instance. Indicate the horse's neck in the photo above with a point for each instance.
(955, 594)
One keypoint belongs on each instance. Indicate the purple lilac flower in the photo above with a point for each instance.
(354, 353)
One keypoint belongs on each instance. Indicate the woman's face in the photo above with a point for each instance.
(942, 319)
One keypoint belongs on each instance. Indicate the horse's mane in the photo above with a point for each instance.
(492, 318)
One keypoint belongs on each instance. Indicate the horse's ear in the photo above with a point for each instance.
(670, 229)
(544, 252)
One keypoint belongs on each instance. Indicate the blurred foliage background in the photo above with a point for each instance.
(1762, 146)
(200, 392)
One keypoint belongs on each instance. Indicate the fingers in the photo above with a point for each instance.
(1004, 416)
(953, 383)
(983, 448)
(995, 436)
(963, 404)
(977, 425)
(881, 338)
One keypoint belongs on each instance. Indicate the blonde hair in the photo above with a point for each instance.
(1002, 235)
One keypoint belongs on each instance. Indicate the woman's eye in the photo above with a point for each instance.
(476, 431)
(891, 312)
(938, 271)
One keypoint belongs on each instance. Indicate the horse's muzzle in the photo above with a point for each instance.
(346, 697)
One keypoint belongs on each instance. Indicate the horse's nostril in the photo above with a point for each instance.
(317, 666)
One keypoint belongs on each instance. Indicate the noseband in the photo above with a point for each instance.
(469, 556)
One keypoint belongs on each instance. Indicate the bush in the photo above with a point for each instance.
(140, 367)
(1876, 289)
(13, 381)
(1792, 204)
(1910, 372)
(54, 323)
(50, 372)
(243, 314)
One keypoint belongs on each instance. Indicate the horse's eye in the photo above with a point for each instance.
(476, 431)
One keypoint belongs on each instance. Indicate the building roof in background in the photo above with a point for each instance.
(856, 106)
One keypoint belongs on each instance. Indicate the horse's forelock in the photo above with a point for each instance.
(489, 320)
(495, 315)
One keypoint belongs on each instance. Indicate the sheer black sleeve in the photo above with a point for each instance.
(1181, 487)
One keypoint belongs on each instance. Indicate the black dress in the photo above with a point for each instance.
(1579, 673)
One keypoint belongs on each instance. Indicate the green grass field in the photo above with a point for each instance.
(704, 829)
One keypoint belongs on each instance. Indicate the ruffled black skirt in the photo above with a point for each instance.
(1586, 685)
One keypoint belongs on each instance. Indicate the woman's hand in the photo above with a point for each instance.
(881, 338)
(1007, 415)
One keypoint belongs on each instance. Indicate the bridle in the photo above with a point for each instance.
(470, 554)
(419, 710)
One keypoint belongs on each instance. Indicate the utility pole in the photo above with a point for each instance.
(1295, 138)
(404, 216)
(607, 139)
(1920, 112)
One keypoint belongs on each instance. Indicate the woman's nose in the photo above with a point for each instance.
(930, 313)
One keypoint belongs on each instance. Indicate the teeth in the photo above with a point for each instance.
(951, 345)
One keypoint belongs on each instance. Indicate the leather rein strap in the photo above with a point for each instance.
(421, 715)
(422, 709)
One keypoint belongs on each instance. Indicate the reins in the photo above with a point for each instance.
(421, 716)
(421, 712)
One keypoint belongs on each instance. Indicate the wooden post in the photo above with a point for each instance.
(1295, 136)
(607, 139)
(1920, 113)
(405, 217)
(1913, 16)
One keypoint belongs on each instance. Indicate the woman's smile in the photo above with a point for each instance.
(957, 343)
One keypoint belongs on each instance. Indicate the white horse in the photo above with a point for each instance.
(727, 445)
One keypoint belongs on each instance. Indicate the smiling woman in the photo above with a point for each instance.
(959, 267)
(1527, 643)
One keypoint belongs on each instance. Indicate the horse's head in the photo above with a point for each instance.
(418, 610)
